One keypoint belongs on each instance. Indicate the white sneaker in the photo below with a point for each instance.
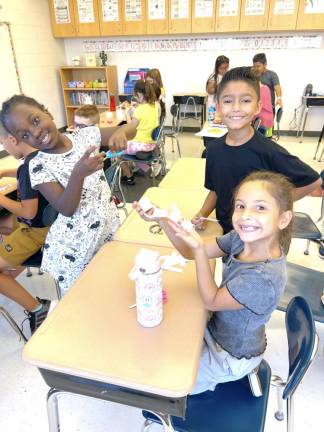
(156, 167)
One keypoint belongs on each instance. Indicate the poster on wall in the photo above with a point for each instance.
(254, 7)
(110, 10)
(314, 6)
(156, 9)
(179, 9)
(85, 11)
(133, 10)
(284, 7)
(228, 8)
(62, 12)
(203, 8)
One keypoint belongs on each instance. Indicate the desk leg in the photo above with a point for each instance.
(304, 123)
(165, 420)
(52, 410)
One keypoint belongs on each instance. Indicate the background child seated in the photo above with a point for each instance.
(23, 232)
(86, 115)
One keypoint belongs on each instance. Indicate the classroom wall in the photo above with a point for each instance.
(184, 71)
(39, 55)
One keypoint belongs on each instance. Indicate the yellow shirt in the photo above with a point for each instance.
(148, 118)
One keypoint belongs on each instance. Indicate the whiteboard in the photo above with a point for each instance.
(9, 83)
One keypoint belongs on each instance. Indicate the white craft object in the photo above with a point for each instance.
(175, 214)
(145, 204)
(187, 225)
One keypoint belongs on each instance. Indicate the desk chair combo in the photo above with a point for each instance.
(231, 407)
(158, 154)
(305, 228)
(190, 107)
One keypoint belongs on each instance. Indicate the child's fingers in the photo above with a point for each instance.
(88, 152)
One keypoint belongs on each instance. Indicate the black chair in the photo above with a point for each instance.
(113, 176)
(173, 133)
(158, 154)
(302, 347)
(305, 228)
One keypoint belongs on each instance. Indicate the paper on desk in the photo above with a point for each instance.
(212, 131)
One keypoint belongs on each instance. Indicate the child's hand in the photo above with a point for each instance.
(89, 164)
(118, 140)
(148, 215)
(200, 224)
(191, 238)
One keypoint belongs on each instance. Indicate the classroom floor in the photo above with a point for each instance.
(23, 391)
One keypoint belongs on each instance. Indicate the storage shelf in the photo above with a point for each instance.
(78, 106)
(85, 88)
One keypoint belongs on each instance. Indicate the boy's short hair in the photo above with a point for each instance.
(240, 74)
(3, 131)
(260, 58)
(90, 112)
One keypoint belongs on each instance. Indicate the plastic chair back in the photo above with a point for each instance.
(301, 342)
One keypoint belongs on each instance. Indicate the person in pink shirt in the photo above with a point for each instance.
(266, 113)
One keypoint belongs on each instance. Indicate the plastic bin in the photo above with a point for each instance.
(132, 76)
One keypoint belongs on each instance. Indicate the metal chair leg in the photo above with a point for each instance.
(318, 144)
(277, 382)
(165, 420)
(290, 414)
(28, 272)
(306, 251)
(178, 145)
(12, 323)
(52, 410)
(146, 426)
(58, 289)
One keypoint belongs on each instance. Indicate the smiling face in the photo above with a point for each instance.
(223, 68)
(33, 126)
(238, 104)
(257, 216)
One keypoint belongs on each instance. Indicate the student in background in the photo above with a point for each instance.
(243, 150)
(23, 233)
(153, 76)
(254, 276)
(67, 171)
(266, 113)
(86, 115)
(268, 78)
(145, 119)
(221, 67)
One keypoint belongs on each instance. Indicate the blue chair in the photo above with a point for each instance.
(302, 347)
(157, 155)
(231, 407)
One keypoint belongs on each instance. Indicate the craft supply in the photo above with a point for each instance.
(147, 275)
(209, 219)
(132, 306)
(110, 154)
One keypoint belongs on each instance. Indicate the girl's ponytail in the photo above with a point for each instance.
(145, 88)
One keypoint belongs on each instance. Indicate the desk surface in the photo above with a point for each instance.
(8, 184)
(186, 173)
(93, 334)
(136, 230)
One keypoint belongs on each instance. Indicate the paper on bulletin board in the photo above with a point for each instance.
(228, 8)
(156, 9)
(203, 8)
(254, 7)
(85, 11)
(314, 6)
(179, 9)
(110, 10)
(133, 10)
(62, 12)
(284, 7)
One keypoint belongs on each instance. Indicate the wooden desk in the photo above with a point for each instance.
(186, 173)
(136, 230)
(92, 344)
(111, 118)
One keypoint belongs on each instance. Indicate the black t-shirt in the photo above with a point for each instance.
(25, 192)
(227, 166)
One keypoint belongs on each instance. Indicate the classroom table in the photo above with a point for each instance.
(135, 230)
(91, 344)
(186, 173)
(107, 119)
(307, 103)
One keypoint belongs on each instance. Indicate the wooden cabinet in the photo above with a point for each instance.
(310, 15)
(283, 15)
(110, 17)
(228, 16)
(254, 15)
(134, 17)
(180, 16)
(203, 16)
(74, 18)
(74, 97)
(157, 17)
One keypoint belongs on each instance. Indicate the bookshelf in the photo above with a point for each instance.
(81, 85)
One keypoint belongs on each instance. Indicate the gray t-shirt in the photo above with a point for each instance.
(257, 286)
(271, 79)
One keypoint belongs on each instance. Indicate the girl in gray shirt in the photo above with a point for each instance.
(254, 276)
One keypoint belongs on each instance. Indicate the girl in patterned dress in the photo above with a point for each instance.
(68, 173)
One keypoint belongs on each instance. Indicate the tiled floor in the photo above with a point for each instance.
(23, 392)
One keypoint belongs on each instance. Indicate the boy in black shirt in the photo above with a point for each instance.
(243, 150)
(25, 233)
